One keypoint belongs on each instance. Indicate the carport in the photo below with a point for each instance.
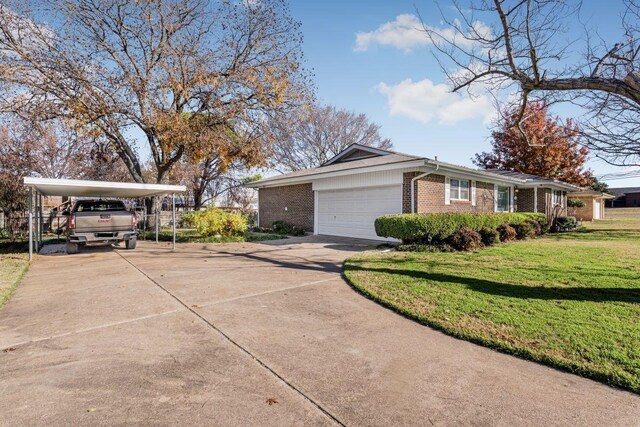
(39, 187)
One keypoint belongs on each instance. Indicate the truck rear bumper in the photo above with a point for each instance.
(111, 236)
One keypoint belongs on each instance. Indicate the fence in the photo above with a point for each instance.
(15, 225)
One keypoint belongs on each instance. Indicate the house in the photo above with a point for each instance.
(345, 195)
(594, 202)
(627, 197)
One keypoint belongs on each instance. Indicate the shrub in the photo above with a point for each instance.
(283, 227)
(575, 203)
(489, 236)
(524, 230)
(565, 223)
(438, 227)
(188, 220)
(538, 228)
(465, 239)
(216, 222)
(507, 233)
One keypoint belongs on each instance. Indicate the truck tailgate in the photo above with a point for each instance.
(94, 222)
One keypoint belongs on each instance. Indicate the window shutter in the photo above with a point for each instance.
(495, 197)
(473, 193)
(447, 190)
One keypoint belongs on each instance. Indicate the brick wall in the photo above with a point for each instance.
(525, 200)
(429, 196)
(585, 213)
(297, 199)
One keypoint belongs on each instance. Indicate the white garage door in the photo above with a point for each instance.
(352, 212)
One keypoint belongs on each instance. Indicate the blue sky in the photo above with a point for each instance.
(401, 89)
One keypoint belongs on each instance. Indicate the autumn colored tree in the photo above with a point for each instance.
(217, 167)
(310, 136)
(144, 71)
(551, 149)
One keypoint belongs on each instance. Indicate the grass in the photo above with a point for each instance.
(14, 262)
(192, 236)
(569, 301)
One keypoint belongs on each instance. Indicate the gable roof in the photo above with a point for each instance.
(590, 192)
(354, 149)
(387, 159)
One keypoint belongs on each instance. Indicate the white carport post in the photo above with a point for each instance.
(30, 202)
(173, 220)
(155, 212)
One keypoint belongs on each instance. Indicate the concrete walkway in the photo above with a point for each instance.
(255, 334)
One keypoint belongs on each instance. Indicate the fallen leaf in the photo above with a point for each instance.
(195, 306)
(271, 401)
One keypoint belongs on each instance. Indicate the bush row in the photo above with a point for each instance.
(440, 227)
(216, 222)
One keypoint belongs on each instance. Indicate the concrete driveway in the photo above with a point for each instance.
(255, 334)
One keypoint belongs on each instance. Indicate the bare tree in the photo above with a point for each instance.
(137, 71)
(520, 46)
(49, 150)
(310, 136)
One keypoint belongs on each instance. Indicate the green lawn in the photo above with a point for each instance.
(14, 261)
(571, 301)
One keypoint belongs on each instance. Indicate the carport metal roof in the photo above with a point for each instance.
(80, 188)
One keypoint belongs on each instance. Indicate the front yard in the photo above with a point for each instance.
(14, 261)
(571, 301)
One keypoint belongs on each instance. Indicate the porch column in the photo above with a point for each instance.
(535, 199)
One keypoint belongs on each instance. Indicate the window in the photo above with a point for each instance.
(99, 206)
(557, 198)
(502, 201)
(459, 189)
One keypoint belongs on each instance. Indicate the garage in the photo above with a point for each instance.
(352, 212)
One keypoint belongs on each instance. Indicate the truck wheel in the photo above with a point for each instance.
(131, 243)
(72, 248)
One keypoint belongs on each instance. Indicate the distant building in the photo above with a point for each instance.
(627, 197)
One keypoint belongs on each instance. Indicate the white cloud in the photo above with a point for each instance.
(426, 101)
(406, 32)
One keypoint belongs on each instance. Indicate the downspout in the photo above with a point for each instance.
(413, 186)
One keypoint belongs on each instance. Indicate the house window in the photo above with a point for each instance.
(502, 201)
(557, 198)
(459, 189)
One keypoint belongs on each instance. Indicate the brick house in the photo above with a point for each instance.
(345, 195)
(594, 202)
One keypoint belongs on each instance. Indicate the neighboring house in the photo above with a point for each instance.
(628, 197)
(345, 195)
(594, 204)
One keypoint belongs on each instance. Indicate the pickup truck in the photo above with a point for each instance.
(93, 221)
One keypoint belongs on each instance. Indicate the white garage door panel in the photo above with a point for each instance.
(352, 212)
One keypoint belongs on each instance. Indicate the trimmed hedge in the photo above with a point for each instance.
(438, 227)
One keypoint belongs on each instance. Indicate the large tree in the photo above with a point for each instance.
(310, 136)
(145, 72)
(48, 150)
(220, 167)
(522, 46)
(556, 152)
